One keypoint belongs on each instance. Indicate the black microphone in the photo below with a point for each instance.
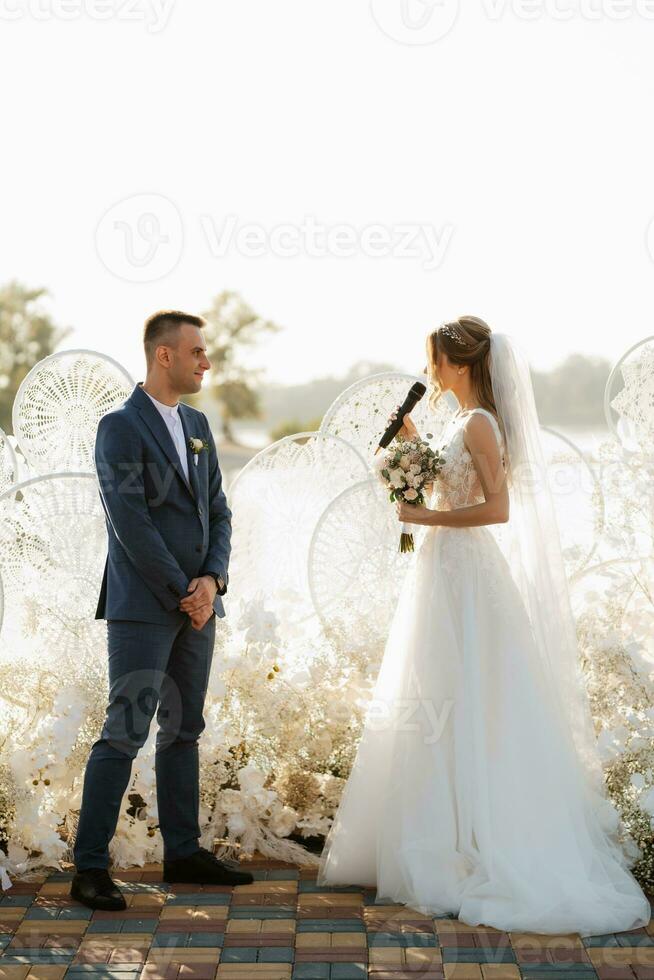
(415, 394)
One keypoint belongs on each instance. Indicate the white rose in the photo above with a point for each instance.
(410, 494)
(196, 445)
(237, 824)
(396, 478)
(646, 802)
(250, 778)
(283, 821)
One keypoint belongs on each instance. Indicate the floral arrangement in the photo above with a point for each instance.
(407, 470)
(614, 602)
(283, 714)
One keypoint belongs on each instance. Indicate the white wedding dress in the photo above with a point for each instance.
(465, 795)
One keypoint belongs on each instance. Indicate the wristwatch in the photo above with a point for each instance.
(220, 585)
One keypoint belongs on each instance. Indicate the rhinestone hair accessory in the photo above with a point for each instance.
(449, 331)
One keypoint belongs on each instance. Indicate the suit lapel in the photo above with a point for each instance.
(159, 430)
(192, 466)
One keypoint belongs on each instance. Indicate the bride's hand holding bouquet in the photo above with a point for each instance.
(414, 513)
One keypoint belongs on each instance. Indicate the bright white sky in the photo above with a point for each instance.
(524, 146)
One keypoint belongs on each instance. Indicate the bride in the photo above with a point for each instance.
(477, 789)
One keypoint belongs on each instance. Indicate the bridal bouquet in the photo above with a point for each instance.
(406, 470)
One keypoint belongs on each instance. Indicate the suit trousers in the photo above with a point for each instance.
(152, 668)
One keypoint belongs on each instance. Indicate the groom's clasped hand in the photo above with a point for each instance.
(198, 604)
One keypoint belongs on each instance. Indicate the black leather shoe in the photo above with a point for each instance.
(95, 889)
(203, 868)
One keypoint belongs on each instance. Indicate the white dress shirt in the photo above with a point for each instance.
(170, 415)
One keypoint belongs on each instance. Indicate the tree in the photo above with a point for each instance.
(27, 335)
(572, 393)
(291, 427)
(233, 327)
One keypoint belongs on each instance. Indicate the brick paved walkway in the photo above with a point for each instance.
(281, 927)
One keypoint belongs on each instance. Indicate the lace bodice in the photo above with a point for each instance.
(458, 484)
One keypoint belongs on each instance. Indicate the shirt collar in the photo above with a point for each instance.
(171, 410)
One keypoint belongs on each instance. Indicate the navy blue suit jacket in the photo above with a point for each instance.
(162, 530)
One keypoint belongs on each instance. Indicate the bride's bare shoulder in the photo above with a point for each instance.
(480, 425)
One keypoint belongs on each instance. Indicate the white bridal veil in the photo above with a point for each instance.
(532, 547)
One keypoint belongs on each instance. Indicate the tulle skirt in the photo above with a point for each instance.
(466, 794)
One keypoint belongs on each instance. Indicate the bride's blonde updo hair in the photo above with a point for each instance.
(465, 341)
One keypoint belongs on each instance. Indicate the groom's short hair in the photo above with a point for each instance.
(161, 327)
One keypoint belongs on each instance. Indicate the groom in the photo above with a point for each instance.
(169, 530)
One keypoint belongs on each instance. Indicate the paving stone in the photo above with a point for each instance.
(206, 939)
(275, 954)
(160, 971)
(239, 954)
(311, 971)
(253, 971)
(435, 973)
(197, 898)
(462, 971)
(283, 926)
(477, 954)
(269, 911)
(615, 973)
(84, 969)
(561, 973)
(500, 971)
(348, 971)
(36, 955)
(325, 925)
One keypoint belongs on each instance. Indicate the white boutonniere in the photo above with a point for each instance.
(197, 446)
